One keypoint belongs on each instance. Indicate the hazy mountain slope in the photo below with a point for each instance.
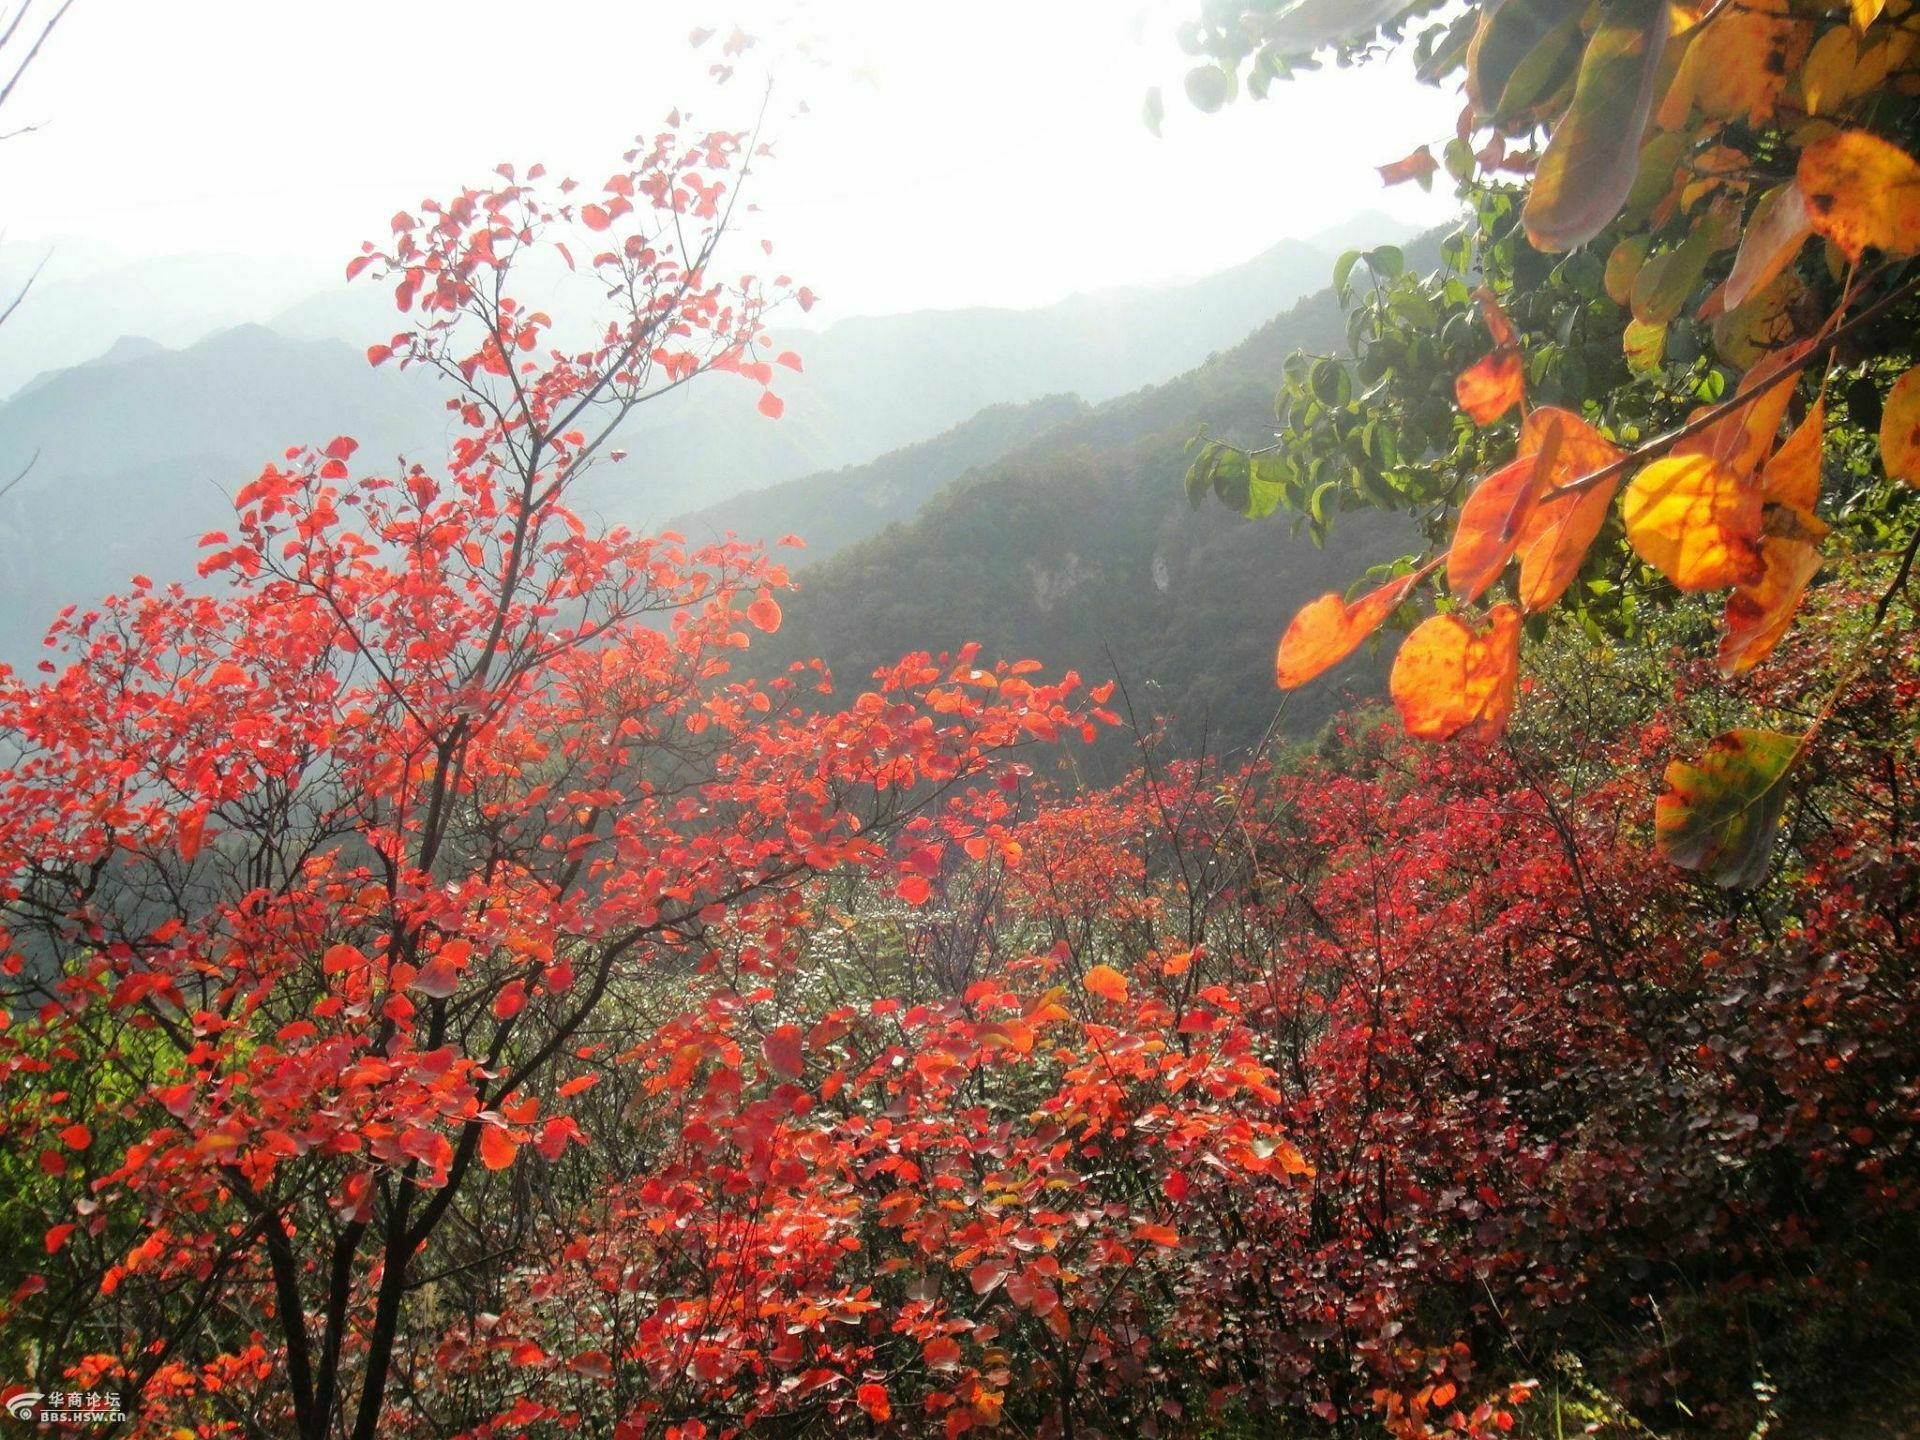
(873, 384)
(74, 312)
(1079, 549)
(138, 450)
(138, 454)
(834, 509)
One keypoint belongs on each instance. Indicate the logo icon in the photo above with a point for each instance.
(25, 1405)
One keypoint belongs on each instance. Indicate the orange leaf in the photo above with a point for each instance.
(1108, 983)
(1695, 521)
(1328, 630)
(1505, 337)
(1792, 476)
(1450, 678)
(1862, 193)
(1491, 387)
(1900, 429)
(1557, 532)
(1758, 614)
(914, 889)
(1489, 528)
(497, 1148)
(942, 1352)
(1742, 437)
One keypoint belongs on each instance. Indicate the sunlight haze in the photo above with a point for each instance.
(999, 160)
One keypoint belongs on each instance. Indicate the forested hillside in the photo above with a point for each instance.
(835, 508)
(1080, 546)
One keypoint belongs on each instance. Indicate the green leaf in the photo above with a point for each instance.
(1342, 273)
(1718, 817)
(1154, 110)
(1209, 87)
(1590, 164)
(1523, 50)
(1388, 261)
(1331, 387)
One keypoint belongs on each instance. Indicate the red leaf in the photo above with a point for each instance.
(594, 217)
(783, 1049)
(497, 1148)
(764, 612)
(986, 1276)
(771, 405)
(56, 1237)
(1418, 166)
(873, 1399)
(76, 1137)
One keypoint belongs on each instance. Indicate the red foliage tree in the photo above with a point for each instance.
(311, 887)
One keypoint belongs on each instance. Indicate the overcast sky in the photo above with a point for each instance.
(990, 152)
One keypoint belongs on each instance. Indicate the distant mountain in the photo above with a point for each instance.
(131, 458)
(1079, 549)
(874, 384)
(838, 507)
(134, 451)
(80, 306)
(1361, 232)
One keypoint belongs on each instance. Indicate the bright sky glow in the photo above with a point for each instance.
(990, 153)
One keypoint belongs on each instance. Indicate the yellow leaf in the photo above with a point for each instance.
(1451, 679)
(1696, 521)
(1865, 12)
(1645, 345)
(1862, 193)
(1737, 65)
(1838, 72)
(1719, 816)
(1900, 429)
(1746, 335)
(1777, 230)
(1623, 265)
